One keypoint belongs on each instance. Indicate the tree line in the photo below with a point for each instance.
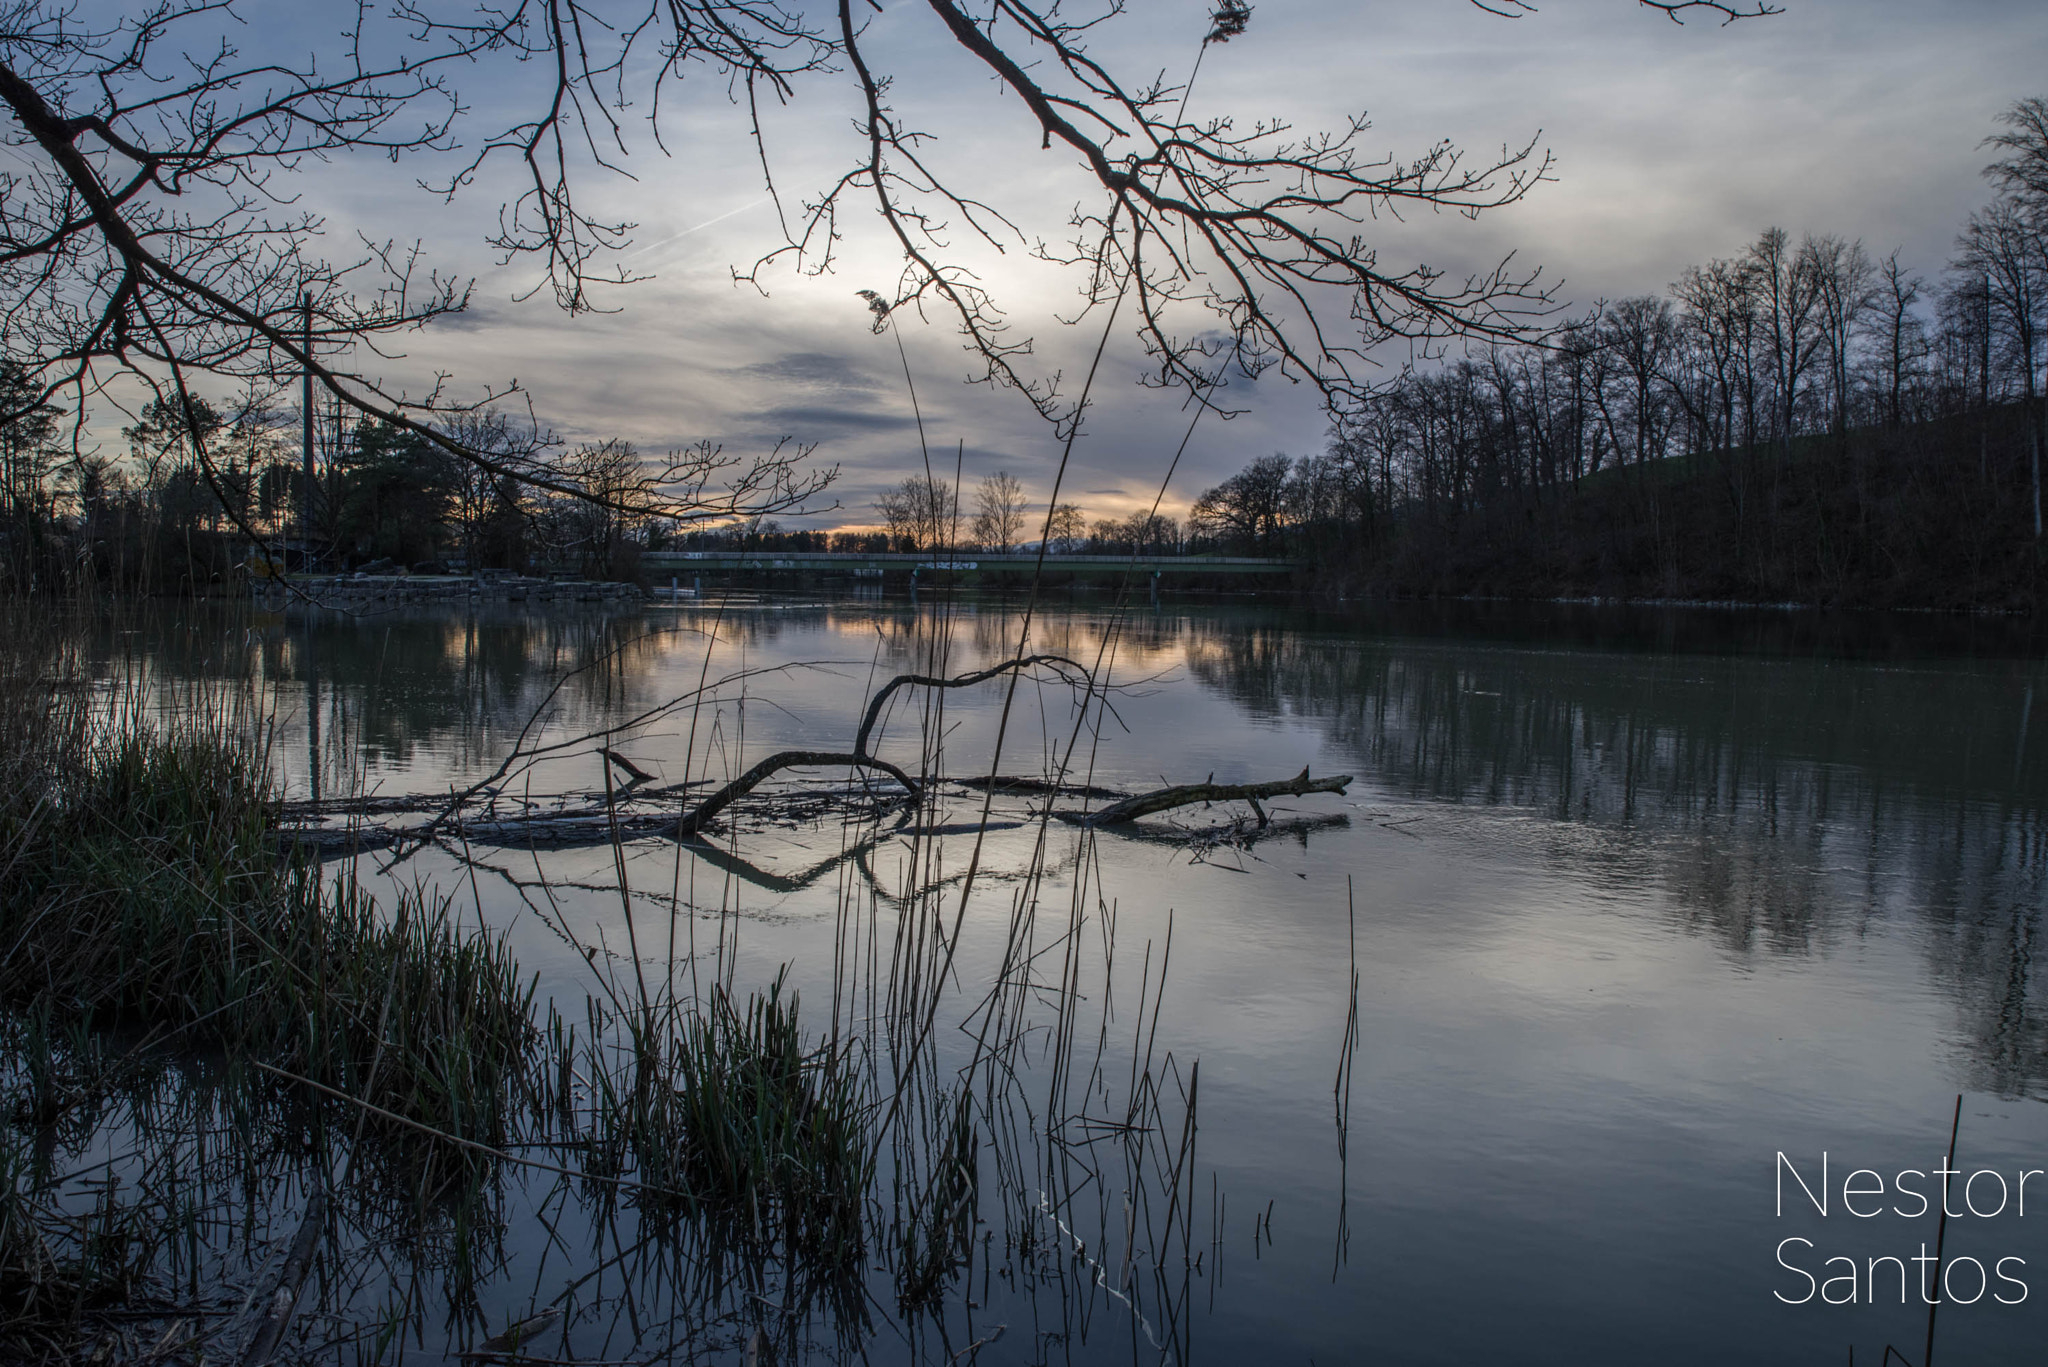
(924, 512)
(157, 518)
(1733, 399)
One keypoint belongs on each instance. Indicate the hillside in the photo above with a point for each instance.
(1937, 515)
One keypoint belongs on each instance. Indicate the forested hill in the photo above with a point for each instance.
(1933, 515)
(1799, 423)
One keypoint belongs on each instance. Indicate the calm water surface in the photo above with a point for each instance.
(1634, 906)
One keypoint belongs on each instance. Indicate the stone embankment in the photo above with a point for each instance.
(359, 590)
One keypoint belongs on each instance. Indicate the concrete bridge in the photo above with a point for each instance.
(927, 565)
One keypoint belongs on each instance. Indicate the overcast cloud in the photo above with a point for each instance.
(1672, 145)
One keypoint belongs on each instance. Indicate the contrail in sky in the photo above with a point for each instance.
(675, 237)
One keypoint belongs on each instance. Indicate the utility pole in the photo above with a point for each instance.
(308, 519)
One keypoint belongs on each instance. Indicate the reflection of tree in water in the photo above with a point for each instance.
(461, 683)
(464, 682)
(1782, 804)
(1985, 897)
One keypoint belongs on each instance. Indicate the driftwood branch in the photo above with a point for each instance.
(633, 772)
(695, 821)
(875, 704)
(1187, 794)
(513, 1340)
(595, 822)
(1238, 834)
(522, 757)
(638, 813)
(861, 757)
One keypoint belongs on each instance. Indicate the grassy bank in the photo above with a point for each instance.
(218, 1060)
(151, 925)
(200, 1030)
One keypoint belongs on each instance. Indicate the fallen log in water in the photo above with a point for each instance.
(695, 821)
(572, 828)
(1009, 784)
(861, 757)
(624, 813)
(1188, 794)
(568, 821)
(584, 820)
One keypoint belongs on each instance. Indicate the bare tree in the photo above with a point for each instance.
(603, 530)
(999, 512)
(1844, 286)
(1902, 346)
(2009, 252)
(1720, 316)
(154, 227)
(1249, 508)
(2024, 173)
(1788, 308)
(479, 508)
(923, 511)
(1146, 533)
(1066, 528)
(1962, 350)
(1640, 333)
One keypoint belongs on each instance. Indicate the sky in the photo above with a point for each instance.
(1672, 145)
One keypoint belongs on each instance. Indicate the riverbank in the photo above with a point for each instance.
(177, 992)
(1935, 516)
(363, 590)
(230, 1076)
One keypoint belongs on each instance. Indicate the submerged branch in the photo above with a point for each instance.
(861, 757)
(1187, 794)
(284, 1298)
(695, 821)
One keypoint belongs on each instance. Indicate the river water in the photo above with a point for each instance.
(1519, 1051)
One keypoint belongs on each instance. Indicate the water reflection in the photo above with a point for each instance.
(1733, 829)
(1785, 780)
(1782, 803)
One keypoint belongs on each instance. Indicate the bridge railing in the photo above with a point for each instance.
(960, 561)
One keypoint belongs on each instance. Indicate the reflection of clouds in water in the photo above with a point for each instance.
(1782, 806)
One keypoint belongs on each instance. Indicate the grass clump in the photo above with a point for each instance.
(727, 1118)
(155, 931)
(772, 1132)
(150, 894)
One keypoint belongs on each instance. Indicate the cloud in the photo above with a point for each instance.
(481, 314)
(812, 369)
(1856, 117)
(823, 422)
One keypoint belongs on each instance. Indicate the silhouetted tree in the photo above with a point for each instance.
(999, 512)
(2006, 249)
(921, 513)
(1248, 510)
(1066, 527)
(396, 493)
(1902, 346)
